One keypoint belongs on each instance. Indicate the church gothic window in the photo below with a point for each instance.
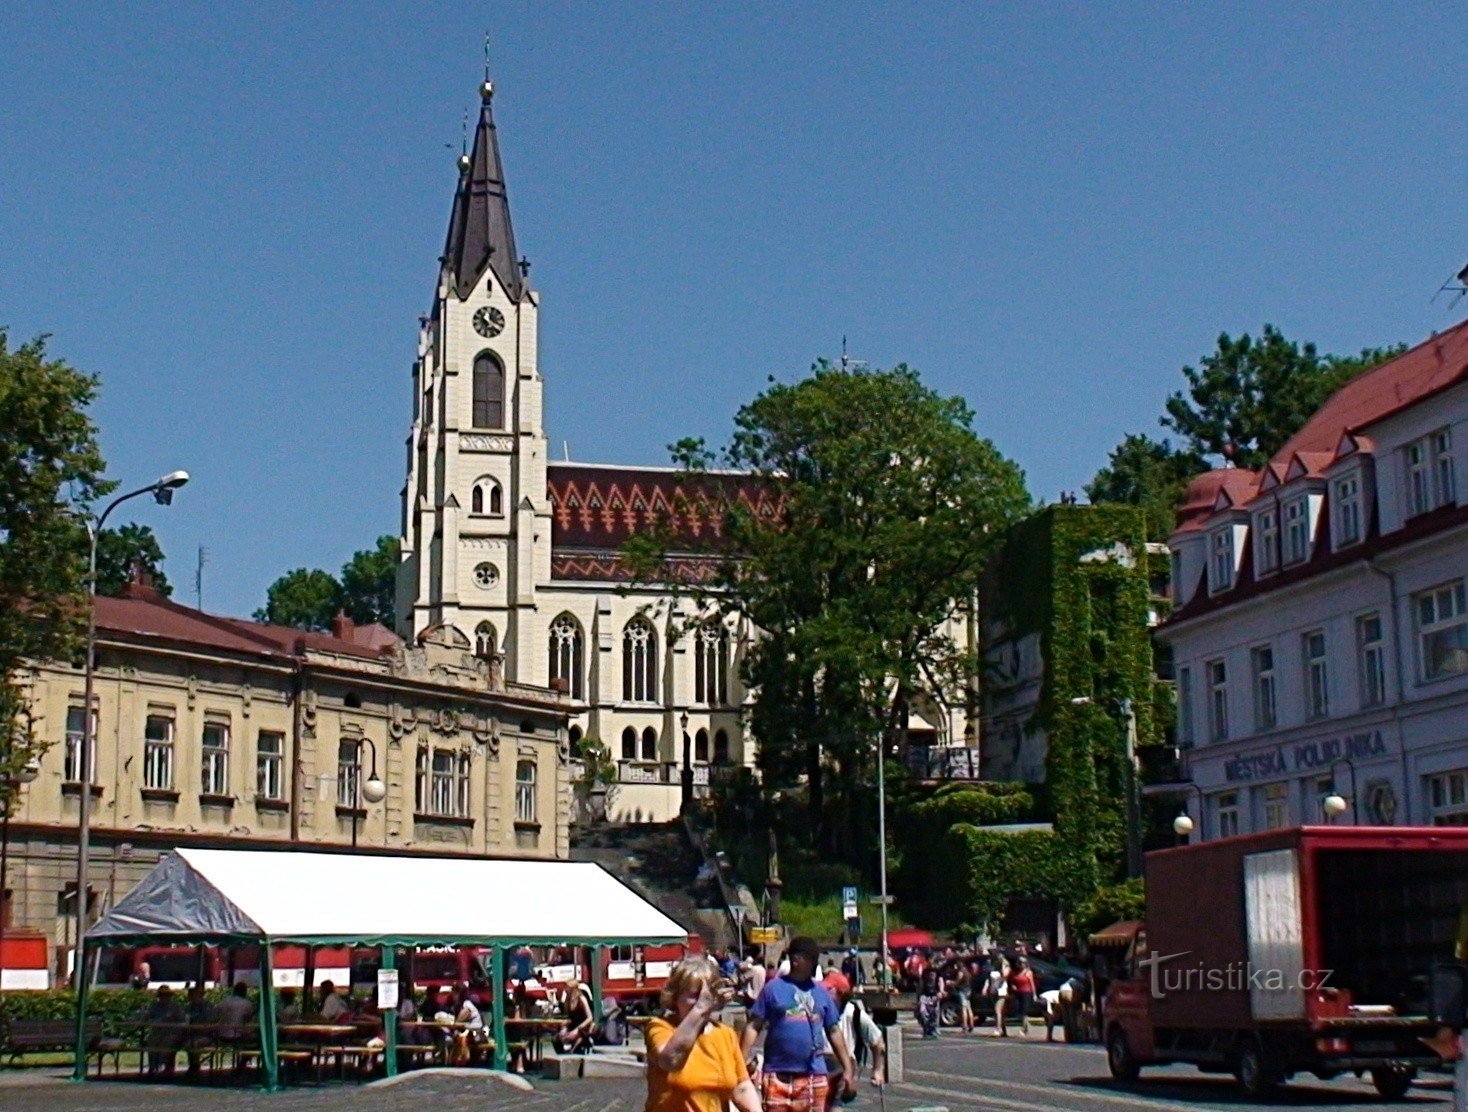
(629, 744)
(639, 662)
(487, 498)
(721, 747)
(566, 654)
(711, 665)
(649, 744)
(701, 746)
(489, 392)
(485, 641)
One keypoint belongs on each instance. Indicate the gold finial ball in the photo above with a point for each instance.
(463, 163)
(486, 90)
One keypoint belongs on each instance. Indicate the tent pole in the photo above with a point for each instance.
(269, 1033)
(79, 1065)
(594, 956)
(390, 1019)
(499, 985)
(308, 986)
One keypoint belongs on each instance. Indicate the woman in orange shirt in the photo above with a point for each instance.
(693, 1060)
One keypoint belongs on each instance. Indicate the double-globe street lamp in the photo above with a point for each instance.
(162, 492)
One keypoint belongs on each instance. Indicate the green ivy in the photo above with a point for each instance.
(1005, 867)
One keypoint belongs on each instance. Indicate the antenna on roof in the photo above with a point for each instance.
(566, 450)
(1457, 284)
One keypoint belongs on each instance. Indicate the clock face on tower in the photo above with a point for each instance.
(489, 321)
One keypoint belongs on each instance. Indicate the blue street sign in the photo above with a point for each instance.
(848, 896)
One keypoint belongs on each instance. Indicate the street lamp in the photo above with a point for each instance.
(1183, 825)
(687, 774)
(162, 492)
(1334, 805)
(373, 789)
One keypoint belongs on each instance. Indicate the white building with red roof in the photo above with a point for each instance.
(1321, 637)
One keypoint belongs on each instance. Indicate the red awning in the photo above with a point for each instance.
(1118, 934)
(909, 937)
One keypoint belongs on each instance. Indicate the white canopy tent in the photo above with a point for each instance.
(271, 896)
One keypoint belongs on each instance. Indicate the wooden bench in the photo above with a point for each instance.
(416, 1054)
(25, 1036)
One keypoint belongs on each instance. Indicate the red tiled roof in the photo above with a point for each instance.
(1236, 484)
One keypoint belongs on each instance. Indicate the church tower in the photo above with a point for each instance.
(475, 516)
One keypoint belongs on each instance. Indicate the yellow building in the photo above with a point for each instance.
(215, 731)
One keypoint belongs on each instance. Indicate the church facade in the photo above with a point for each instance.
(523, 555)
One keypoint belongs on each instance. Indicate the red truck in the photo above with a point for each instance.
(1301, 950)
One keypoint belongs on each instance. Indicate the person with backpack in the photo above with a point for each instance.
(860, 1031)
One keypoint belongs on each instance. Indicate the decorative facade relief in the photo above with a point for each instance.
(478, 442)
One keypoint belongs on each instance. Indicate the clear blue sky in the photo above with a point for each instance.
(232, 214)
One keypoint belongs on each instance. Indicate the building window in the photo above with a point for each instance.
(1347, 499)
(1442, 458)
(629, 744)
(1276, 799)
(721, 747)
(1264, 701)
(76, 725)
(566, 654)
(1217, 700)
(486, 642)
(525, 809)
(1447, 798)
(1226, 813)
(1442, 631)
(1430, 481)
(441, 783)
(158, 752)
(489, 392)
(639, 662)
(214, 772)
(1185, 706)
(269, 758)
(649, 744)
(701, 746)
(1266, 540)
(1371, 660)
(1296, 531)
(1317, 679)
(711, 665)
(348, 772)
(487, 498)
(1223, 561)
(486, 575)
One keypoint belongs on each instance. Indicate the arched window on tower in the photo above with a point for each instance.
(711, 664)
(489, 392)
(649, 744)
(629, 744)
(721, 747)
(701, 746)
(486, 643)
(566, 655)
(487, 498)
(639, 662)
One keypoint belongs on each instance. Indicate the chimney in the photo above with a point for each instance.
(342, 627)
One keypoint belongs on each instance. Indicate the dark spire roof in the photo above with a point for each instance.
(480, 235)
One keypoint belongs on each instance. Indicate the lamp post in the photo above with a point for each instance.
(373, 790)
(686, 776)
(1334, 805)
(162, 492)
(1183, 825)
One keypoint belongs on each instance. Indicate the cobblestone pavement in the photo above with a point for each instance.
(962, 1074)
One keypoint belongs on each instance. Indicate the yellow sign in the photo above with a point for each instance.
(764, 934)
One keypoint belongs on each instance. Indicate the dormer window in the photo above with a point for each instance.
(1296, 531)
(1222, 577)
(1266, 540)
(1430, 479)
(1346, 497)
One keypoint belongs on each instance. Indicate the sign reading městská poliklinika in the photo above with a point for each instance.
(1284, 759)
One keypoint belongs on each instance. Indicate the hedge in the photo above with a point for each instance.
(115, 1007)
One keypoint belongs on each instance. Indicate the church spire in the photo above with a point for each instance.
(480, 235)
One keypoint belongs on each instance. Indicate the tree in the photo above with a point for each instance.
(306, 598)
(1150, 474)
(122, 550)
(889, 505)
(1249, 396)
(369, 583)
(48, 458)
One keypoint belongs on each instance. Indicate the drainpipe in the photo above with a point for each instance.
(1398, 670)
(293, 766)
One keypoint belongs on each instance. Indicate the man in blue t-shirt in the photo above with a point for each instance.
(799, 1019)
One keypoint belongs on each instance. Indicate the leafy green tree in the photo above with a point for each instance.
(48, 458)
(1245, 399)
(306, 598)
(888, 506)
(121, 550)
(1148, 473)
(369, 582)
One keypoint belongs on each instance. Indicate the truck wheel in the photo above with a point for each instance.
(1256, 1072)
(1124, 1067)
(1392, 1082)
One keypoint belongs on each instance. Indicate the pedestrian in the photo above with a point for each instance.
(929, 1002)
(165, 1019)
(962, 988)
(1022, 993)
(851, 968)
(751, 978)
(863, 1037)
(694, 1062)
(792, 1012)
(996, 988)
(574, 1036)
(333, 1007)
